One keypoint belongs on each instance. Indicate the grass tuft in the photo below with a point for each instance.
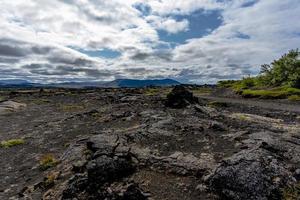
(71, 108)
(11, 143)
(292, 192)
(49, 180)
(47, 161)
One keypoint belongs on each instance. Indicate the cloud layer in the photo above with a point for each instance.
(43, 41)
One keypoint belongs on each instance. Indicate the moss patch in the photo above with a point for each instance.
(274, 93)
(11, 143)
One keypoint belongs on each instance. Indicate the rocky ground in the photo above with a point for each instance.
(128, 144)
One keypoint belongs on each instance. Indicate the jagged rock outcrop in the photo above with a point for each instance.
(10, 106)
(105, 175)
(259, 172)
(180, 97)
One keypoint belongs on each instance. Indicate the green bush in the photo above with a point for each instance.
(226, 83)
(284, 71)
(280, 79)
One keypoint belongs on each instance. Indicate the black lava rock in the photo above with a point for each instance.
(107, 169)
(250, 175)
(180, 97)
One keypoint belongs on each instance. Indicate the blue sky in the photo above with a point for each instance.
(104, 53)
(193, 41)
(201, 23)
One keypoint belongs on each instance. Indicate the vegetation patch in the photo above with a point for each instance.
(294, 98)
(278, 80)
(49, 180)
(11, 143)
(274, 93)
(47, 161)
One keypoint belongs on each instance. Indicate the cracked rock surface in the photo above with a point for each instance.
(127, 144)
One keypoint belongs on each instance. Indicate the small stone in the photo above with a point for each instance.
(201, 188)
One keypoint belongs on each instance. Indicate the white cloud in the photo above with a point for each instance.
(168, 24)
(38, 38)
(165, 7)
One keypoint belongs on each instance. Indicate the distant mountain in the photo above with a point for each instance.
(17, 83)
(77, 84)
(14, 82)
(141, 83)
(118, 83)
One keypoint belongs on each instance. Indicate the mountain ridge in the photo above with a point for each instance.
(118, 83)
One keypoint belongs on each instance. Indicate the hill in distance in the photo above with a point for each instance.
(118, 83)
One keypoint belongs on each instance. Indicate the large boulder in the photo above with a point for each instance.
(10, 106)
(106, 169)
(261, 171)
(250, 175)
(180, 97)
(105, 174)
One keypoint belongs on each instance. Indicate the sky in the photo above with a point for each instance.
(192, 41)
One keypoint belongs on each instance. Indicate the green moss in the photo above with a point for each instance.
(47, 161)
(11, 143)
(275, 93)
